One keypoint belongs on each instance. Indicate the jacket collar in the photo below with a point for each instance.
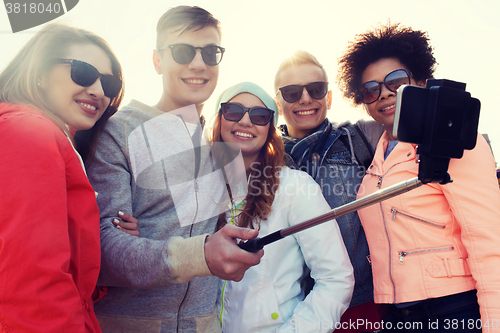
(403, 152)
(318, 141)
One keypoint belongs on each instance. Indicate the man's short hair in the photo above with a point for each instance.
(184, 18)
(298, 58)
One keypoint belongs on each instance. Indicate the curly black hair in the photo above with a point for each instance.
(411, 47)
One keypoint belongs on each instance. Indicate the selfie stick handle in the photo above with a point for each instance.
(254, 245)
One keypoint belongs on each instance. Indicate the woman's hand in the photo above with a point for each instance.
(127, 224)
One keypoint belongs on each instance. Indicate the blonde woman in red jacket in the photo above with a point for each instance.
(63, 80)
(434, 250)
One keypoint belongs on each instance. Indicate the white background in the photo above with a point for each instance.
(258, 35)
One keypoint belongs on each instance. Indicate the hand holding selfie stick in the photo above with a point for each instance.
(441, 118)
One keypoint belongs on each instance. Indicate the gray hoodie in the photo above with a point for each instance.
(146, 164)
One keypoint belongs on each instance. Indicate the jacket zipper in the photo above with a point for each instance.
(395, 211)
(380, 178)
(233, 209)
(222, 302)
(379, 185)
(190, 234)
(390, 251)
(403, 254)
(185, 294)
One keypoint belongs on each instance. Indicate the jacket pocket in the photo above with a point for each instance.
(403, 254)
(269, 317)
(338, 156)
(396, 211)
(448, 267)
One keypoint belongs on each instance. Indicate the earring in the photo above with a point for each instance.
(38, 83)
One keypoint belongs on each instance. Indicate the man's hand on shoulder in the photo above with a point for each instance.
(223, 256)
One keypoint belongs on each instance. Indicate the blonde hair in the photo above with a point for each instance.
(298, 58)
(19, 79)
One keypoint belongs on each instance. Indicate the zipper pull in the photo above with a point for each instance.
(393, 211)
(379, 177)
(402, 257)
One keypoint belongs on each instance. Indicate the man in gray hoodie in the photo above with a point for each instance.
(152, 161)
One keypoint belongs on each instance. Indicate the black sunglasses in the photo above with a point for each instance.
(184, 53)
(293, 92)
(370, 91)
(84, 74)
(258, 115)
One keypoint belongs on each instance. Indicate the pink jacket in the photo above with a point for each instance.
(435, 240)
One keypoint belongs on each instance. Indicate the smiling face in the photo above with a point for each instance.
(79, 107)
(248, 136)
(307, 113)
(191, 83)
(382, 110)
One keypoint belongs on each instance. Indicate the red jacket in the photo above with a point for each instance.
(435, 240)
(49, 228)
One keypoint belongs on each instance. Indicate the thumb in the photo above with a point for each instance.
(241, 233)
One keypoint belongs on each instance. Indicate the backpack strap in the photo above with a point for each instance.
(363, 151)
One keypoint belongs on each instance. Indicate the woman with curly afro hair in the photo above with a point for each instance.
(433, 249)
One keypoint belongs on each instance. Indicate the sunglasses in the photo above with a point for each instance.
(293, 92)
(85, 75)
(258, 115)
(184, 53)
(370, 91)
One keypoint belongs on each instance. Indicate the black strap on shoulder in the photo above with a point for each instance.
(362, 149)
(368, 146)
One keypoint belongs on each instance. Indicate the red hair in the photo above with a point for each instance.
(263, 178)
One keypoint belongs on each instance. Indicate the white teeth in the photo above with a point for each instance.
(88, 106)
(194, 81)
(245, 135)
(305, 113)
(387, 108)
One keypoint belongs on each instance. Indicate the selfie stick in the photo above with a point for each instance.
(442, 119)
(256, 244)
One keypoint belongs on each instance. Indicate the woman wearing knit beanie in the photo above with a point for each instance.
(269, 298)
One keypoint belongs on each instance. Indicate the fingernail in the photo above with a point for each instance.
(120, 213)
(115, 221)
